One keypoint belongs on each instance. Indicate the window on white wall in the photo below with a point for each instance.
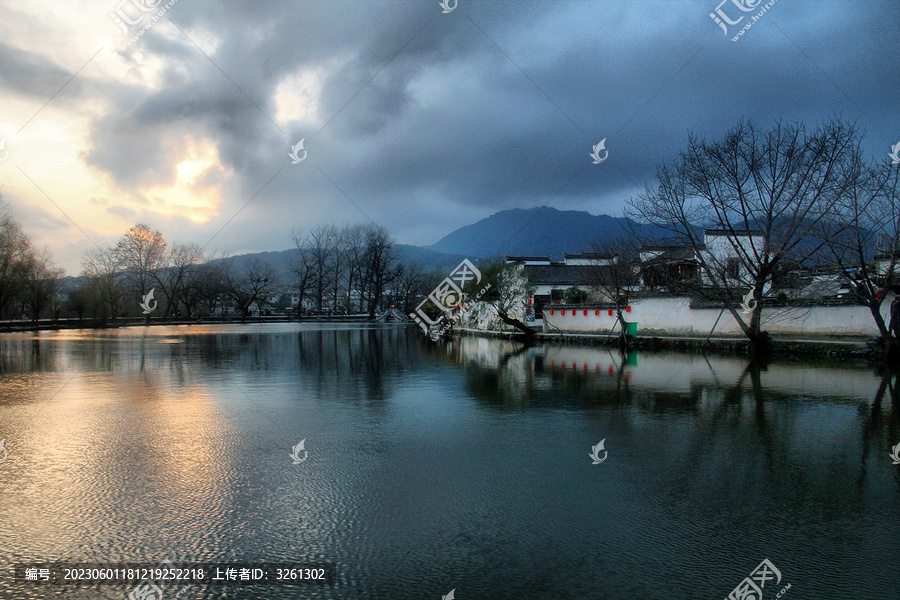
(732, 268)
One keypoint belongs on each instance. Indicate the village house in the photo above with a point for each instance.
(596, 275)
(668, 268)
(722, 251)
(605, 277)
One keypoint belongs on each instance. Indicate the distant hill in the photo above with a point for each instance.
(535, 232)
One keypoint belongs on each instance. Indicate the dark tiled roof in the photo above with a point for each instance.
(569, 275)
(732, 232)
(529, 258)
(592, 255)
(683, 247)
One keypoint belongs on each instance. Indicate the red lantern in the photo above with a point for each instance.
(558, 301)
(573, 312)
(551, 311)
(584, 312)
(609, 312)
(878, 294)
(596, 312)
(627, 309)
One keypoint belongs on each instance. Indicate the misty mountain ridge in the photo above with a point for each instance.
(540, 231)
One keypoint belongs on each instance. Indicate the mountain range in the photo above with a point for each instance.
(541, 231)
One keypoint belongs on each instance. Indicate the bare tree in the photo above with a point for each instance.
(614, 274)
(780, 184)
(207, 286)
(15, 251)
(80, 298)
(175, 274)
(340, 266)
(380, 266)
(354, 237)
(41, 283)
(250, 284)
(141, 254)
(302, 268)
(863, 240)
(101, 268)
(412, 286)
(319, 249)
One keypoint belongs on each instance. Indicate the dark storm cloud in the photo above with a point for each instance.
(494, 105)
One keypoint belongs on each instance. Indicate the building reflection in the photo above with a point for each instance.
(710, 423)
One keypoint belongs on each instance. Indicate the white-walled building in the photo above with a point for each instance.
(726, 251)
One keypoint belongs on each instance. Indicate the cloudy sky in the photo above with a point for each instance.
(420, 120)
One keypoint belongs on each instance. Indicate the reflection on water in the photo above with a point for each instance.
(431, 467)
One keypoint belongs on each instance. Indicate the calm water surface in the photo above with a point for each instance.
(460, 466)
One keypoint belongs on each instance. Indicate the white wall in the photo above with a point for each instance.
(673, 316)
(720, 247)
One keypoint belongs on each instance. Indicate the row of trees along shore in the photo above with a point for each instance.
(341, 269)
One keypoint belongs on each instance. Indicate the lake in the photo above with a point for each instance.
(467, 466)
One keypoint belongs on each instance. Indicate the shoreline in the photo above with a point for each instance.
(782, 346)
(46, 325)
